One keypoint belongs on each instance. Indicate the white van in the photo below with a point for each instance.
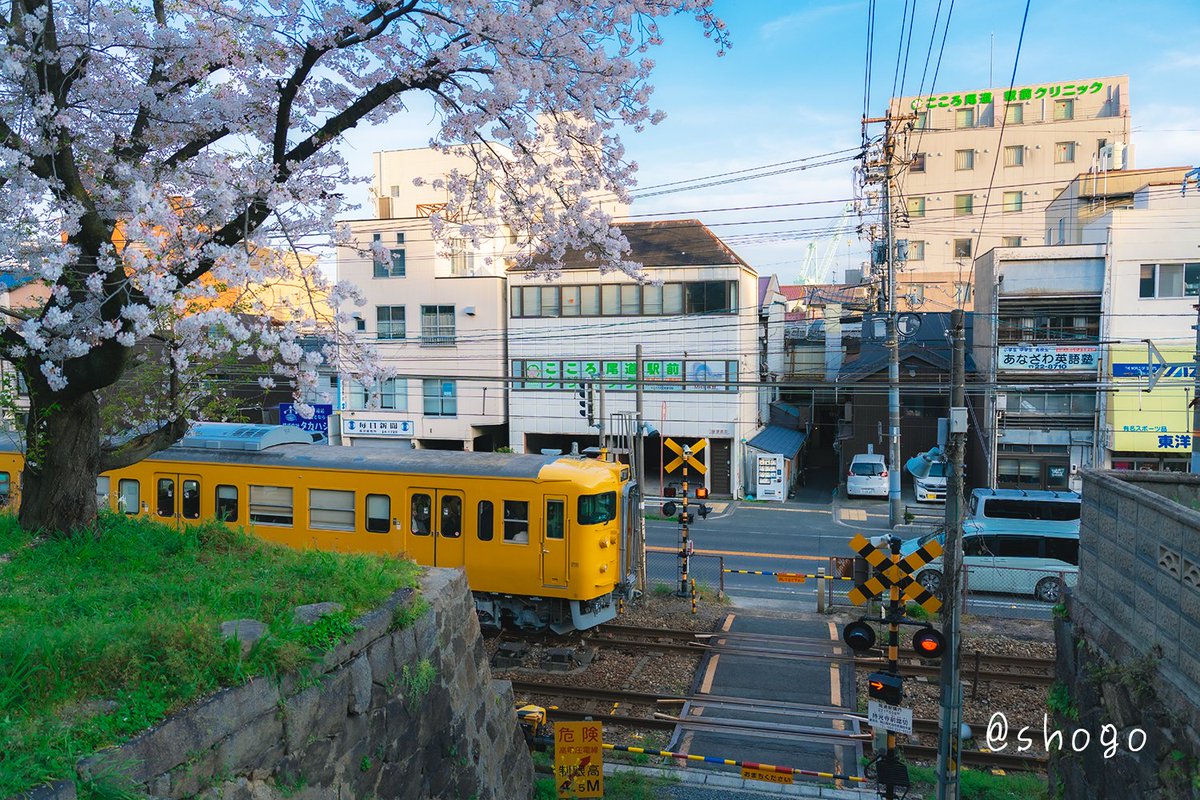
(1029, 563)
(868, 475)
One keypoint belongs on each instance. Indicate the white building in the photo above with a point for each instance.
(435, 313)
(698, 320)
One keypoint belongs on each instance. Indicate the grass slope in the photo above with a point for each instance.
(102, 635)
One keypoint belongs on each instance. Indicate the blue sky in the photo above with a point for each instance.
(791, 87)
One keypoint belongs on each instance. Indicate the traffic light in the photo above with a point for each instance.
(584, 396)
(885, 687)
(928, 643)
(859, 636)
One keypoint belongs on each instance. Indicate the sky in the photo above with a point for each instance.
(791, 89)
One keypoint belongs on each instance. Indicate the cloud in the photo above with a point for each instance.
(1176, 60)
(802, 20)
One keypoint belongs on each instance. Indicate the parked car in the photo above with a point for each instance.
(868, 475)
(1029, 563)
(932, 487)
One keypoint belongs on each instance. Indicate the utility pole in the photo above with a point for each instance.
(895, 505)
(950, 736)
(640, 448)
(600, 424)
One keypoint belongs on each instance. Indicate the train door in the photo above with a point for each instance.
(554, 543)
(176, 497)
(435, 539)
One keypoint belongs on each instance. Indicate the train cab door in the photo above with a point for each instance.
(435, 527)
(554, 542)
(176, 498)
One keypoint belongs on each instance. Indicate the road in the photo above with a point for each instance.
(796, 536)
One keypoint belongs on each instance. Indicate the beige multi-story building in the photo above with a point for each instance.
(1027, 144)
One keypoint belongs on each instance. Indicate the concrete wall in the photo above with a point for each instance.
(410, 713)
(1130, 654)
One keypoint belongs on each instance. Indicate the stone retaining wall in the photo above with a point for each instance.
(409, 713)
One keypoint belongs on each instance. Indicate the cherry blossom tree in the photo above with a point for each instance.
(152, 153)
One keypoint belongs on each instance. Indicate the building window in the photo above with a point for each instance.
(1014, 155)
(631, 299)
(1064, 109)
(393, 265)
(964, 159)
(437, 325)
(1010, 241)
(922, 121)
(271, 505)
(964, 205)
(551, 301)
(962, 293)
(1014, 114)
(462, 258)
(918, 163)
(1013, 201)
(916, 250)
(652, 300)
(392, 395)
(395, 191)
(962, 248)
(1170, 280)
(441, 397)
(1064, 152)
(710, 297)
(964, 118)
(570, 301)
(589, 301)
(1049, 328)
(360, 324)
(331, 509)
(610, 300)
(389, 322)
(916, 207)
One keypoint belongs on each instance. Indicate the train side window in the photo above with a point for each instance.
(166, 497)
(379, 513)
(485, 529)
(129, 496)
(331, 509)
(516, 521)
(102, 490)
(5, 488)
(271, 505)
(451, 516)
(422, 514)
(190, 506)
(556, 523)
(227, 503)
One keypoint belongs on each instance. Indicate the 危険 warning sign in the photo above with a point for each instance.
(579, 759)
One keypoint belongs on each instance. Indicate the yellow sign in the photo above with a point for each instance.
(685, 455)
(578, 759)
(1157, 421)
(898, 574)
(769, 776)
(788, 577)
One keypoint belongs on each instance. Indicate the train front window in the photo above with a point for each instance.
(422, 514)
(451, 516)
(556, 525)
(516, 521)
(227, 503)
(597, 508)
(166, 497)
(379, 513)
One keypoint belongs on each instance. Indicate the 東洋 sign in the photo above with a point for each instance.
(579, 759)
(318, 423)
(892, 718)
(377, 427)
(1049, 357)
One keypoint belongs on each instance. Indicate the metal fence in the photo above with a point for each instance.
(662, 573)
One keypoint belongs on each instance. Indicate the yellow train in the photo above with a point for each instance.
(544, 539)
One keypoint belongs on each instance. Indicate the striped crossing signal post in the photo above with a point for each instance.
(893, 575)
(685, 456)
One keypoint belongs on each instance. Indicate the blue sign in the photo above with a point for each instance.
(1142, 370)
(318, 424)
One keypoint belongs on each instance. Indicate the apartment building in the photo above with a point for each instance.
(1026, 144)
(699, 317)
(435, 315)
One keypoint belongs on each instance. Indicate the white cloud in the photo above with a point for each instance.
(801, 21)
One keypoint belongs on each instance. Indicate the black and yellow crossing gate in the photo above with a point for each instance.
(898, 574)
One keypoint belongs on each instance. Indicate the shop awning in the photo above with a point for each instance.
(778, 439)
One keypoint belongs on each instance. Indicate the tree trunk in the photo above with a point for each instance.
(62, 460)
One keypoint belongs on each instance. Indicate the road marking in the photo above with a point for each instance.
(709, 674)
(698, 551)
(854, 513)
(794, 510)
(727, 624)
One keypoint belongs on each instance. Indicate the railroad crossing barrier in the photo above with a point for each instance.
(765, 772)
(824, 591)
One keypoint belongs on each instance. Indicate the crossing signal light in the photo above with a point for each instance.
(885, 687)
(929, 643)
(859, 636)
(704, 511)
(584, 396)
(669, 509)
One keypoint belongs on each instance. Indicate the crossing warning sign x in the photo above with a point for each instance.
(899, 574)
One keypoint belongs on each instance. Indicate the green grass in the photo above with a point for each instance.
(979, 785)
(104, 633)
